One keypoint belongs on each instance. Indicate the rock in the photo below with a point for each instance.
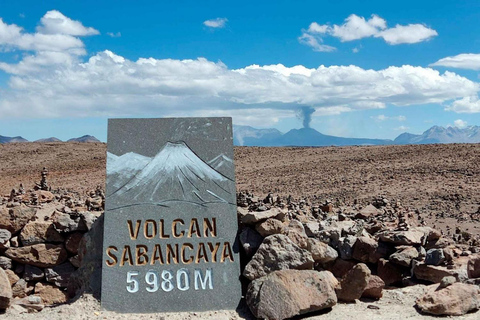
(374, 288)
(5, 236)
(430, 233)
(36, 232)
(367, 250)
(454, 300)
(473, 266)
(447, 281)
(14, 219)
(321, 252)
(341, 267)
(75, 261)
(398, 238)
(257, 216)
(367, 212)
(435, 274)
(39, 255)
(68, 223)
(345, 247)
(390, 272)
(312, 228)
(277, 252)
(269, 227)
(287, 293)
(6, 293)
(73, 241)
(404, 256)
(60, 275)
(296, 232)
(87, 219)
(12, 277)
(50, 294)
(14, 242)
(32, 273)
(434, 257)
(250, 241)
(22, 288)
(31, 303)
(44, 196)
(5, 263)
(353, 284)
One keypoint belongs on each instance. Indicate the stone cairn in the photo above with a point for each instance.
(43, 235)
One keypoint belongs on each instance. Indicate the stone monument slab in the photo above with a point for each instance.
(170, 216)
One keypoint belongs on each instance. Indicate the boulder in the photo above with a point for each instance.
(5, 236)
(88, 219)
(287, 293)
(6, 293)
(354, 283)
(14, 219)
(312, 228)
(374, 289)
(398, 238)
(367, 212)
(277, 252)
(435, 274)
(345, 247)
(404, 256)
(60, 275)
(5, 263)
(39, 255)
(12, 277)
(22, 288)
(31, 303)
(434, 257)
(269, 227)
(73, 241)
(390, 272)
(252, 217)
(250, 241)
(454, 300)
(36, 232)
(368, 250)
(341, 267)
(321, 252)
(44, 196)
(296, 232)
(68, 222)
(50, 294)
(473, 266)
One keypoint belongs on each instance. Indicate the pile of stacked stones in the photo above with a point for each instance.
(300, 258)
(40, 235)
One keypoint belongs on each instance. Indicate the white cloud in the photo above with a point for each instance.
(215, 23)
(356, 27)
(382, 117)
(462, 61)
(401, 128)
(470, 104)
(114, 34)
(54, 22)
(412, 33)
(459, 123)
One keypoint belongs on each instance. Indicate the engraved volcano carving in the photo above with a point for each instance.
(175, 174)
(121, 169)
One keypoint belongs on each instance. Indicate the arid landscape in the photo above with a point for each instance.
(328, 187)
(440, 181)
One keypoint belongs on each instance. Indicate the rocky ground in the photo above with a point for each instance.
(395, 226)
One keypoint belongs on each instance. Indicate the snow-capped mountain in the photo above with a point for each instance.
(221, 163)
(121, 169)
(176, 173)
(437, 134)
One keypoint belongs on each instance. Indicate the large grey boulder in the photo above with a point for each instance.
(287, 293)
(277, 252)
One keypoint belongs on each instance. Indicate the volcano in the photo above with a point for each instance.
(121, 169)
(176, 173)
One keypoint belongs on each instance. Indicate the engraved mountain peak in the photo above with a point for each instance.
(176, 173)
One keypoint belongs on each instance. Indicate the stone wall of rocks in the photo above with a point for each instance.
(41, 236)
(300, 258)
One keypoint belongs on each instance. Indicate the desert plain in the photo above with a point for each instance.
(440, 183)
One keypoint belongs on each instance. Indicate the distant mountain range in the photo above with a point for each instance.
(85, 138)
(248, 136)
(308, 137)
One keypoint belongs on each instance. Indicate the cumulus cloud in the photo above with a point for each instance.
(355, 28)
(459, 123)
(470, 104)
(216, 23)
(54, 22)
(462, 61)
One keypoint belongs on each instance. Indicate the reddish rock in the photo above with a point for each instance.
(22, 288)
(374, 289)
(36, 232)
(31, 303)
(50, 294)
(12, 277)
(473, 267)
(341, 267)
(73, 241)
(45, 196)
(368, 250)
(354, 283)
(287, 293)
(6, 293)
(410, 237)
(14, 219)
(269, 227)
(321, 252)
(367, 212)
(455, 300)
(435, 274)
(39, 255)
(249, 217)
(390, 272)
(296, 232)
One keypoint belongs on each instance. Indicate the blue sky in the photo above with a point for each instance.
(369, 69)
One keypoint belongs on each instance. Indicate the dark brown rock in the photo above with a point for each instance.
(390, 272)
(473, 267)
(374, 289)
(39, 255)
(354, 283)
(73, 241)
(404, 256)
